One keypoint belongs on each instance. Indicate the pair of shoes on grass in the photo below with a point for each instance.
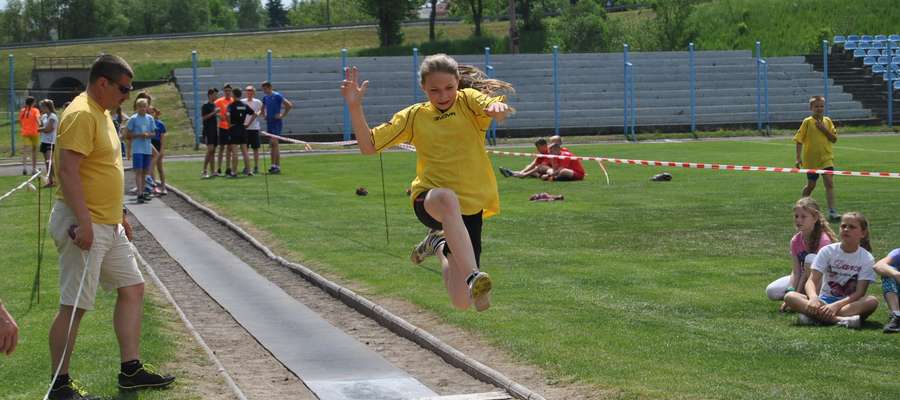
(506, 172)
(853, 322)
(479, 283)
(144, 377)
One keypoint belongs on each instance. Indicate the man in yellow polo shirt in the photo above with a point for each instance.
(89, 230)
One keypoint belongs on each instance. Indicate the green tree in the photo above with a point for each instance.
(389, 13)
(583, 27)
(195, 20)
(477, 9)
(323, 12)
(222, 16)
(13, 28)
(249, 15)
(277, 14)
(672, 23)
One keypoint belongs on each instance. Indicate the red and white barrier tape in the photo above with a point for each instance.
(649, 163)
(295, 141)
(714, 166)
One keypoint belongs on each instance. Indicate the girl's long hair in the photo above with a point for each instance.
(469, 76)
(809, 205)
(48, 104)
(863, 224)
(29, 103)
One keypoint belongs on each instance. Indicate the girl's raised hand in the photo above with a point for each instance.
(352, 91)
(498, 111)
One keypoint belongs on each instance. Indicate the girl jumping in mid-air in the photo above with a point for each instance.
(455, 185)
(847, 268)
(813, 233)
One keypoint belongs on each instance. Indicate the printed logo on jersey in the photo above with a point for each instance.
(445, 116)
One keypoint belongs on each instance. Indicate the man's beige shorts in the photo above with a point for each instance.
(110, 261)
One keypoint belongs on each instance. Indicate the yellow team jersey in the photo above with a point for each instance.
(816, 152)
(86, 128)
(450, 149)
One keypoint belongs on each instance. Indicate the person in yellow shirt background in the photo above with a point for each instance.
(814, 141)
(455, 187)
(29, 120)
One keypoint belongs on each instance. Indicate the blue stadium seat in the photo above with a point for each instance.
(878, 45)
(839, 39)
(895, 60)
(867, 38)
(896, 85)
(850, 45)
(878, 69)
(868, 60)
(887, 53)
(859, 53)
(884, 60)
(864, 45)
(873, 53)
(894, 38)
(881, 37)
(852, 38)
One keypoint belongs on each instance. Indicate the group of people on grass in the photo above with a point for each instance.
(549, 168)
(38, 130)
(829, 278)
(232, 123)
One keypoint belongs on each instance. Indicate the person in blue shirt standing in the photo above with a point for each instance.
(140, 129)
(275, 108)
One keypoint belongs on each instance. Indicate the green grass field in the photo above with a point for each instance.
(95, 363)
(644, 289)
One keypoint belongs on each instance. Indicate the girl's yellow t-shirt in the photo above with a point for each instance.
(450, 150)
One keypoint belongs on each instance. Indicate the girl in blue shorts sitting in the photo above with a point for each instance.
(889, 269)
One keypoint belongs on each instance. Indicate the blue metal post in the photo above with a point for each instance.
(347, 127)
(492, 131)
(487, 57)
(415, 70)
(766, 94)
(758, 88)
(633, 112)
(890, 92)
(269, 65)
(625, 91)
(12, 104)
(825, 69)
(890, 99)
(556, 90)
(198, 126)
(693, 73)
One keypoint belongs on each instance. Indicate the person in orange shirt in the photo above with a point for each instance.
(29, 119)
(224, 128)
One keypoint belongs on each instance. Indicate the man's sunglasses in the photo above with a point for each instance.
(122, 89)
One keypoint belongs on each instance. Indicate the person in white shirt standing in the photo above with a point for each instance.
(253, 129)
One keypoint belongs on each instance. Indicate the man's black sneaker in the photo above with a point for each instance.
(70, 391)
(144, 377)
(893, 326)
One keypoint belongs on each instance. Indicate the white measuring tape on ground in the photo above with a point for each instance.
(22, 185)
(308, 144)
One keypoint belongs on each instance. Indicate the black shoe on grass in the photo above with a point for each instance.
(143, 378)
(70, 391)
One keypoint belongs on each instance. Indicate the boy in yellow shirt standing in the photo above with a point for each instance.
(814, 140)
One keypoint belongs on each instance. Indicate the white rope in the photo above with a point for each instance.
(21, 185)
(85, 256)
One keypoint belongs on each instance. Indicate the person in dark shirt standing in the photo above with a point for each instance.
(210, 131)
(238, 113)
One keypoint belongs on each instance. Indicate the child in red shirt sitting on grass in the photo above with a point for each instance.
(563, 169)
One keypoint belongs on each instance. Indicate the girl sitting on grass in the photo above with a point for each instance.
(847, 267)
(455, 185)
(813, 233)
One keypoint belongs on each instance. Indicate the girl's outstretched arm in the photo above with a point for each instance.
(883, 268)
(353, 94)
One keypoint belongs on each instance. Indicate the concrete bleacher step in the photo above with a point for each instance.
(726, 83)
